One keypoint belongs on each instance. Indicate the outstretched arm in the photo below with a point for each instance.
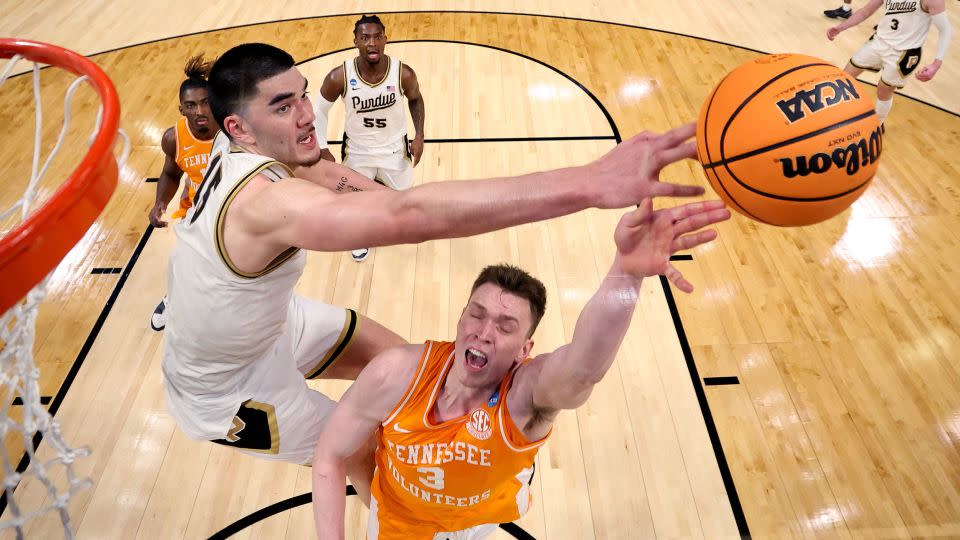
(411, 89)
(356, 418)
(937, 10)
(295, 213)
(645, 240)
(169, 178)
(857, 17)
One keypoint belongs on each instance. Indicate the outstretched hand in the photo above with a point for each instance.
(647, 238)
(631, 171)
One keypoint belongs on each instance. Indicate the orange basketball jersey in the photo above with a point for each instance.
(454, 475)
(192, 155)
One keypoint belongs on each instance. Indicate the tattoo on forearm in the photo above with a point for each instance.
(344, 185)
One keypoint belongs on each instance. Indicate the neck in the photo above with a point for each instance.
(368, 70)
(206, 136)
(455, 399)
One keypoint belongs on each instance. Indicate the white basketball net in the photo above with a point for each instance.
(19, 375)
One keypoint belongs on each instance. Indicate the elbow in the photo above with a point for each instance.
(410, 222)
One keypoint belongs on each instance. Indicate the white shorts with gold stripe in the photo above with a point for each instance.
(281, 417)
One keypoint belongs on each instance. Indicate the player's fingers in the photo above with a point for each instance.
(678, 280)
(689, 241)
(639, 216)
(664, 189)
(698, 215)
(675, 136)
(676, 153)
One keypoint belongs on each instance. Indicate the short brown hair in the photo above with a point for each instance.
(518, 283)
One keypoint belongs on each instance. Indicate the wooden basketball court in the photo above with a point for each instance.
(808, 387)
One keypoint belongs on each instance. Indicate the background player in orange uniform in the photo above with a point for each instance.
(459, 424)
(187, 147)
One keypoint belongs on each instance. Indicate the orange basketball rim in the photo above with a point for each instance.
(34, 247)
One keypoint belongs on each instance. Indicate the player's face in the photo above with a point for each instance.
(491, 336)
(278, 121)
(196, 108)
(370, 40)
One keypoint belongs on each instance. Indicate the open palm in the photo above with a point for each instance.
(646, 238)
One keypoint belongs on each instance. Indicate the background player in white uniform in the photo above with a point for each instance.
(894, 50)
(373, 86)
(239, 341)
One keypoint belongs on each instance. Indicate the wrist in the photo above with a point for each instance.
(621, 278)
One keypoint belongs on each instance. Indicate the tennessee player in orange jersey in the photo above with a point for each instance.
(458, 424)
(186, 146)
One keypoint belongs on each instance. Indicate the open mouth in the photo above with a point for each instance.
(476, 360)
(307, 139)
(373, 55)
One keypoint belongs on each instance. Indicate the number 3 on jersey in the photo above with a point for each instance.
(433, 477)
(375, 122)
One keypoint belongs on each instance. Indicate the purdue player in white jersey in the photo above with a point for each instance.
(239, 341)
(373, 86)
(894, 50)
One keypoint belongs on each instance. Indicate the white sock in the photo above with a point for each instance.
(845, 7)
(883, 108)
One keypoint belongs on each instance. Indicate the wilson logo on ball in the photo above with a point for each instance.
(853, 156)
(823, 95)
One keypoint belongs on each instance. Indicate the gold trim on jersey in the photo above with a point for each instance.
(351, 326)
(343, 93)
(218, 240)
(400, 78)
(360, 75)
(271, 421)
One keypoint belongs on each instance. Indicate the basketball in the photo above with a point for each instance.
(789, 140)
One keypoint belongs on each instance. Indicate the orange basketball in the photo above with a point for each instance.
(789, 140)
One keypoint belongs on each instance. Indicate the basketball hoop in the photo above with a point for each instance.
(29, 252)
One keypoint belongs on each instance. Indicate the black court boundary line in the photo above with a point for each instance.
(725, 474)
(468, 12)
(111, 270)
(82, 355)
(720, 381)
(19, 401)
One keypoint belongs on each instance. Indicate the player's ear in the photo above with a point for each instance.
(237, 129)
(525, 350)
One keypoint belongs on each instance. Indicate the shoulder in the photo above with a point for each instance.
(333, 83)
(392, 371)
(407, 73)
(168, 142)
(336, 74)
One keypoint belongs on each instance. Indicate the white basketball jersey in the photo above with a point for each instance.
(220, 319)
(904, 25)
(375, 125)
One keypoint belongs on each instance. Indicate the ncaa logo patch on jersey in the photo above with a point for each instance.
(479, 425)
(353, 83)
